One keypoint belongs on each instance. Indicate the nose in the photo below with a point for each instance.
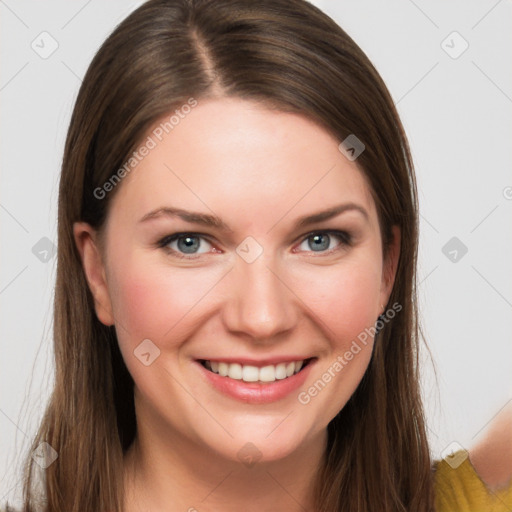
(260, 304)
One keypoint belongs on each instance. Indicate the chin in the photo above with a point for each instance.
(264, 442)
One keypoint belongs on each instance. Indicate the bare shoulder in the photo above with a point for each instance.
(491, 455)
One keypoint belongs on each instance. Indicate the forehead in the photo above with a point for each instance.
(233, 156)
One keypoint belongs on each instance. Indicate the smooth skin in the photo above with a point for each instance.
(258, 170)
(491, 454)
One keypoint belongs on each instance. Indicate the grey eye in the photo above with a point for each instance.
(188, 244)
(321, 242)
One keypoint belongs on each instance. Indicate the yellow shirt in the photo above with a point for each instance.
(458, 488)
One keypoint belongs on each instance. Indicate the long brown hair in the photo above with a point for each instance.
(289, 56)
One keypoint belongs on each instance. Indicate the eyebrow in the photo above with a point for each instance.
(213, 221)
(204, 219)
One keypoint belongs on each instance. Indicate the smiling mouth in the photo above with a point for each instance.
(250, 373)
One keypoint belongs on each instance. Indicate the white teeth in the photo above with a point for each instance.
(281, 371)
(223, 369)
(267, 374)
(235, 371)
(248, 373)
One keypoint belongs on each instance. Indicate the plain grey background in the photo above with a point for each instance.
(447, 65)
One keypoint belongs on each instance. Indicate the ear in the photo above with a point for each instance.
(86, 241)
(390, 266)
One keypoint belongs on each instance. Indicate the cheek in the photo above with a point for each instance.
(154, 301)
(345, 304)
(344, 297)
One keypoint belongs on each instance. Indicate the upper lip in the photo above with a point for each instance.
(257, 362)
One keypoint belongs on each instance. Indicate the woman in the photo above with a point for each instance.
(235, 309)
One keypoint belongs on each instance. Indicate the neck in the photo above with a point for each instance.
(171, 472)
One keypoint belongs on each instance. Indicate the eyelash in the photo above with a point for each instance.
(345, 237)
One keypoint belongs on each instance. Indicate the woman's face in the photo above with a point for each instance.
(248, 281)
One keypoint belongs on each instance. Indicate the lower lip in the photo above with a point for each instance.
(255, 392)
